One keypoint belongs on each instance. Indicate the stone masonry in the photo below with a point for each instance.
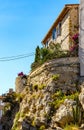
(67, 68)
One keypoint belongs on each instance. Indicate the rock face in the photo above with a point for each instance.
(81, 96)
(36, 108)
(41, 107)
(64, 114)
(7, 119)
(47, 96)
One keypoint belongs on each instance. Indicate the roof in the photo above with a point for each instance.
(60, 17)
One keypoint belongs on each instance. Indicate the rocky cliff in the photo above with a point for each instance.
(50, 98)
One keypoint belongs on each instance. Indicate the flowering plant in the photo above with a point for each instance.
(21, 74)
(72, 48)
(76, 38)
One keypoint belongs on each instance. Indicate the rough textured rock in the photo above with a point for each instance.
(58, 128)
(7, 119)
(38, 106)
(82, 127)
(64, 114)
(67, 68)
(39, 89)
(26, 126)
(81, 96)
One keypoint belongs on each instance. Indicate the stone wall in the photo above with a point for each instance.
(74, 19)
(20, 83)
(67, 68)
(65, 33)
(73, 23)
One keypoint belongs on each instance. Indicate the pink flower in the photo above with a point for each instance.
(76, 38)
(72, 48)
(20, 74)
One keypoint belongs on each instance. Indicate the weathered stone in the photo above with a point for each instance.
(36, 104)
(59, 128)
(81, 96)
(20, 84)
(82, 127)
(33, 128)
(67, 68)
(64, 114)
(25, 126)
(69, 103)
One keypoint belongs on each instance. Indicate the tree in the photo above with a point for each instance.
(37, 54)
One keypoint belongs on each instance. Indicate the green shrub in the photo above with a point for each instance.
(73, 96)
(17, 116)
(42, 127)
(35, 87)
(41, 86)
(33, 122)
(55, 77)
(44, 54)
(34, 65)
(15, 125)
(71, 127)
(6, 108)
(77, 113)
(59, 98)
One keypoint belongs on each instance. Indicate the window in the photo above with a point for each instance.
(47, 44)
(59, 29)
(56, 31)
(54, 34)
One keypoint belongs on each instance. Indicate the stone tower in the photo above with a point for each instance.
(20, 83)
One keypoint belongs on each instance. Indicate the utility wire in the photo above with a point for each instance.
(16, 56)
(3, 59)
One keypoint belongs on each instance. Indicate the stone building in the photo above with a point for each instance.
(65, 26)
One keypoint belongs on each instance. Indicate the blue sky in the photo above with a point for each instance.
(23, 24)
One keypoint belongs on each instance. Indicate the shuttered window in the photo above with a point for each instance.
(56, 31)
(59, 29)
(54, 34)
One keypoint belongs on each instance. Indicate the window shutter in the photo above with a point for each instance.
(54, 34)
(59, 29)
